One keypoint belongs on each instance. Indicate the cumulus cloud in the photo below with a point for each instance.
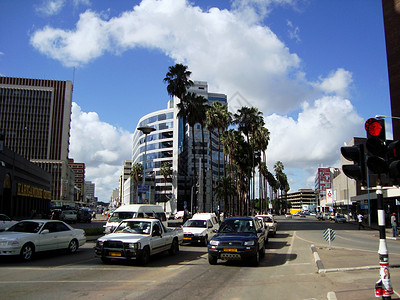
(101, 146)
(236, 55)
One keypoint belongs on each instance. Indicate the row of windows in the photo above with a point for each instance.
(160, 117)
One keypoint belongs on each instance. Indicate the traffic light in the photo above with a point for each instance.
(377, 151)
(357, 170)
(394, 161)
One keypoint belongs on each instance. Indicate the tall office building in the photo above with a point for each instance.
(79, 172)
(35, 117)
(166, 145)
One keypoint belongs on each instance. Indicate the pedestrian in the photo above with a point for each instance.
(393, 222)
(360, 220)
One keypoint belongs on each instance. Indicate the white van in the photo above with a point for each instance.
(135, 211)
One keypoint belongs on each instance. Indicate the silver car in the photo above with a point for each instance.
(27, 237)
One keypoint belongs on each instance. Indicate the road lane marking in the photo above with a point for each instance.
(289, 251)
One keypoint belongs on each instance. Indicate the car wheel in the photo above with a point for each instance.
(262, 252)
(206, 240)
(255, 260)
(105, 260)
(73, 246)
(27, 252)
(145, 257)
(212, 260)
(174, 248)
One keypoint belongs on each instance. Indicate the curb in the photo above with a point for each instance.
(318, 262)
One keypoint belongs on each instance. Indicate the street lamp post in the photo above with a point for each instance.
(145, 130)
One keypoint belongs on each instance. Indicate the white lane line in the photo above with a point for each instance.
(289, 252)
(74, 281)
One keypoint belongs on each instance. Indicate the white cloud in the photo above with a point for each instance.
(337, 82)
(102, 147)
(54, 7)
(314, 139)
(231, 51)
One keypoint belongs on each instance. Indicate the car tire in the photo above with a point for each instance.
(145, 256)
(262, 252)
(105, 260)
(212, 260)
(73, 246)
(206, 240)
(27, 252)
(255, 260)
(174, 248)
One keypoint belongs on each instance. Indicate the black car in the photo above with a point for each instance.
(84, 215)
(238, 238)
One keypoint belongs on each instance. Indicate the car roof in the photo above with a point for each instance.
(239, 218)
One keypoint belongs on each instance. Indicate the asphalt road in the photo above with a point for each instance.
(288, 271)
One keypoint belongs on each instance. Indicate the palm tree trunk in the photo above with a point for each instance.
(211, 171)
(194, 168)
(204, 170)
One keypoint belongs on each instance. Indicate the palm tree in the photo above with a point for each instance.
(195, 112)
(261, 140)
(178, 82)
(166, 172)
(218, 117)
(224, 190)
(136, 174)
(278, 168)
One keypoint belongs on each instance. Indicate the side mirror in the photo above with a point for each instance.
(45, 231)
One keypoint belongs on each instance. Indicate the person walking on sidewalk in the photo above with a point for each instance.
(393, 222)
(360, 220)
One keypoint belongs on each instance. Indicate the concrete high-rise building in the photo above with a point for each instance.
(90, 191)
(79, 172)
(166, 145)
(35, 119)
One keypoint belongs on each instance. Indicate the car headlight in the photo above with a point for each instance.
(133, 246)
(214, 243)
(249, 243)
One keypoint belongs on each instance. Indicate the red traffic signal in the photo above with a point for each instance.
(375, 128)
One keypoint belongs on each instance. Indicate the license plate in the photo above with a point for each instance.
(230, 250)
(114, 253)
(187, 238)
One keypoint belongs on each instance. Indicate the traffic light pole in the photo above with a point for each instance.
(383, 287)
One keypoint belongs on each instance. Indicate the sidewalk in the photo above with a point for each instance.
(360, 268)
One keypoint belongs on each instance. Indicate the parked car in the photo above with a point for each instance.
(238, 238)
(138, 239)
(27, 237)
(84, 216)
(57, 214)
(70, 216)
(200, 229)
(5, 222)
(322, 216)
(340, 218)
(269, 221)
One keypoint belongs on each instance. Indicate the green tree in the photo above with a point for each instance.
(166, 172)
(224, 191)
(177, 79)
(136, 174)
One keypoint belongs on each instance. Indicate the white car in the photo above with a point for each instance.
(200, 229)
(5, 222)
(270, 221)
(27, 237)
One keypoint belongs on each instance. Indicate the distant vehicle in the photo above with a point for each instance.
(134, 211)
(340, 218)
(5, 222)
(179, 215)
(84, 216)
(270, 222)
(288, 216)
(200, 228)
(138, 239)
(70, 216)
(302, 215)
(238, 238)
(27, 237)
(322, 216)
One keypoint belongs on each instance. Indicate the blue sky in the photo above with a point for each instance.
(316, 69)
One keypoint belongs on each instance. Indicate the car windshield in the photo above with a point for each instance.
(135, 227)
(196, 223)
(25, 226)
(122, 215)
(237, 225)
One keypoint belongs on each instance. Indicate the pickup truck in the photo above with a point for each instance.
(138, 239)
